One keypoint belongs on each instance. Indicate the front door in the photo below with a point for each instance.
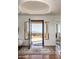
(36, 30)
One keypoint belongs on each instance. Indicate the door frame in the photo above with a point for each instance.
(42, 29)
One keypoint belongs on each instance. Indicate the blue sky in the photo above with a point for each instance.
(36, 28)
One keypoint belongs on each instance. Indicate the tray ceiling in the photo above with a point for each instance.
(39, 6)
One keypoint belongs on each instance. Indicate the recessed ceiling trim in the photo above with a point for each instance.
(35, 6)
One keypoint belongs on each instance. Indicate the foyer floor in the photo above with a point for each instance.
(51, 55)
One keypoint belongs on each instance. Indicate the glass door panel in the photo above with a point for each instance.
(36, 34)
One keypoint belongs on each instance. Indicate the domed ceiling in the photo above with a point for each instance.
(39, 6)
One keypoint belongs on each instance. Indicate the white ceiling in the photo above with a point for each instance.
(39, 6)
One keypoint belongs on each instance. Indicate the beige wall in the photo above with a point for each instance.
(52, 19)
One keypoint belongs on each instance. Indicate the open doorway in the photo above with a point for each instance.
(37, 33)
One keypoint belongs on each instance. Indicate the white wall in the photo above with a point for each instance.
(51, 26)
